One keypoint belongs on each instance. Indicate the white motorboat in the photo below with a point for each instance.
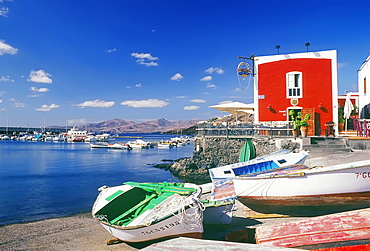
(330, 187)
(275, 160)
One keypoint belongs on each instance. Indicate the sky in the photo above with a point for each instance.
(75, 62)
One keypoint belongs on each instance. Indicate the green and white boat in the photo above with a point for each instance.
(136, 212)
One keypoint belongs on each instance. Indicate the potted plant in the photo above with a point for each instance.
(303, 123)
(294, 118)
(341, 119)
(299, 122)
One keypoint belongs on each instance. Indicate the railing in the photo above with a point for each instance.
(244, 130)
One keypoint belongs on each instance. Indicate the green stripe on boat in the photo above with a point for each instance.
(163, 187)
(116, 194)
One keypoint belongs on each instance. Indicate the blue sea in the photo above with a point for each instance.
(41, 180)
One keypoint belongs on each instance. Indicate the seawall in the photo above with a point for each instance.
(214, 152)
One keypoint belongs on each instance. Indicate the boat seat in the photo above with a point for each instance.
(143, 202)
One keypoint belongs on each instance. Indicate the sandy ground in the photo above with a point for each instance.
(81, 232)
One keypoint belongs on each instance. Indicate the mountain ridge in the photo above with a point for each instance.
(116, 126)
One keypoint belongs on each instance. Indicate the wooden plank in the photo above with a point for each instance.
(340, 227)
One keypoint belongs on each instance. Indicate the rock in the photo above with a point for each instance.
(210, 153)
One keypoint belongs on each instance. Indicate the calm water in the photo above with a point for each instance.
(40, 180)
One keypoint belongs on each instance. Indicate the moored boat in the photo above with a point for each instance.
(136, 212)
(271, 161)
(301, 190)
(139, 144)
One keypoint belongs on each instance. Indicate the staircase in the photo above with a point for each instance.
(325, 144)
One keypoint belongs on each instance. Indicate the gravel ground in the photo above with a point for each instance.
(81, 232)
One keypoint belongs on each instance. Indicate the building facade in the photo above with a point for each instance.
(364, 89)
(303, 82)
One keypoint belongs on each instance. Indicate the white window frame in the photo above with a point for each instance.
(294, 85)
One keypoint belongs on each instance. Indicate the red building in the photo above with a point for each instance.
(305, 82)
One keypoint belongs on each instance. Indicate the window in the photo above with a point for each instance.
(294, 84)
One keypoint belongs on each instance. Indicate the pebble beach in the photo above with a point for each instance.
(82, 232)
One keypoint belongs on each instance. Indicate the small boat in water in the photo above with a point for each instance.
(271, 161)
(139, 144)
(302, 190)
(136, 212)
(111, 146)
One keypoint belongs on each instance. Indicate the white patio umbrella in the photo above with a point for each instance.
(348, 108)
(235, 107)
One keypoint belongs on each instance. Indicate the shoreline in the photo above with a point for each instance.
(82, 232)
(77, 232)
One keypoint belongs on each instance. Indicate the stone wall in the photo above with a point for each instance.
(214, 152)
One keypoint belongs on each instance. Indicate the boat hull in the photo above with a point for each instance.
(332, 189)
(342, 231)
(172, 226)
(267, 162)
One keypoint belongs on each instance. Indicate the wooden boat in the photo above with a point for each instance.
(136, 212)
(139, 144)
(300, 190)
(119, 146)
(341, 231)
(165, 145)
(266, 162)
(99, 145)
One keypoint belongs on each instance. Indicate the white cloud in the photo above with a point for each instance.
(6, 48)
(40, 76)
(181, 97)
(47, 108)
(341, 65)
(206, 78)
(177, 77)
(96, 103)
(210, 85)
(19, 105)
(6, 79)
(211, 70)
(111, 50)
(1, 101)
(35, 89)
(191, 108)
(76, 121)
(197, 100)
(145, 103)
(145, 59)
(139, 85)
(4, 11)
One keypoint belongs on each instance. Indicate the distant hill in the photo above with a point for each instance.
(116, 126)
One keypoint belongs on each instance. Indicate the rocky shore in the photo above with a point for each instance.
(210, 153)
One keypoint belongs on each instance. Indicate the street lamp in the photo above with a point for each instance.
(307, 44)
(278, 47)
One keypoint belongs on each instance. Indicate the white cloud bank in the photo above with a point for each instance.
(40, 76)
(148, 103)
(145, 59)
(6, 79)
(7, 49)
(96, 104)
(47, 108)
(206, 78)
(211, 70)
(4, 11)
(177, 77)
(191, 108)
(35, 89)
(197, 100)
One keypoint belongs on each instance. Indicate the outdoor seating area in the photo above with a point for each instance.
(362, 127)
